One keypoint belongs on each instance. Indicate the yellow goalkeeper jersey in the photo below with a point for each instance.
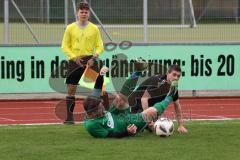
(78, 42)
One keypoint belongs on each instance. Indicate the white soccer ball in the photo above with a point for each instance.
(164, 127)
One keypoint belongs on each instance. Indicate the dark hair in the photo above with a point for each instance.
(91, 103)
(174, 67)
(82, 5)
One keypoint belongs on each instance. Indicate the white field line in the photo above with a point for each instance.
(7, 119)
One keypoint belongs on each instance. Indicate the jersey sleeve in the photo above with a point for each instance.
(98, 131)
(99, 43)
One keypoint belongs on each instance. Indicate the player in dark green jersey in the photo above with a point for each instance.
(118, 121)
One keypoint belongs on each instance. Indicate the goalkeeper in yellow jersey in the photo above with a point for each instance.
(82, 44)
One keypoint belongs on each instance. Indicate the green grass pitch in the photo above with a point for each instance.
(206, 140)
(53, 33)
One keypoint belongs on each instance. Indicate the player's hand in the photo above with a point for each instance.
(95, 56)
(150, 126)
(103, 70)
(182, 129)
(132, 129)
(79, 61)
(90, 62)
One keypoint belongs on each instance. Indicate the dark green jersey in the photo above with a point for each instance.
(113, 122)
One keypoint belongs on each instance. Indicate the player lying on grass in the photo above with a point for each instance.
(118, 121)
(154, 90)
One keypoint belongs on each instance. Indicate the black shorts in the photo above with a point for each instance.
(156, 90)
(75, 72)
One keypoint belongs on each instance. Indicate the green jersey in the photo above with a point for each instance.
(114, 121)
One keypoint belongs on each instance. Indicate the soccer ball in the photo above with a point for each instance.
(164, 127)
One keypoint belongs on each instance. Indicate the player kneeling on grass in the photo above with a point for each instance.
(118, 121)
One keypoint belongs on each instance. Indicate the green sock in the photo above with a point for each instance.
(161, 106)
(129, 86)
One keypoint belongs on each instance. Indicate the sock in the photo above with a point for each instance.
(99, 82)
(96, 92)
(129, 86)
(161, 106)
(70, 101)
(98, 86)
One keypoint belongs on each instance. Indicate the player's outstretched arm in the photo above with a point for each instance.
(178, 112)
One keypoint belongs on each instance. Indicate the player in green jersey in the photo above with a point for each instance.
(118, 121)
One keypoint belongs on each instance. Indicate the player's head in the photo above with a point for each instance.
(173, 73)
(83, 12)
(93, 106)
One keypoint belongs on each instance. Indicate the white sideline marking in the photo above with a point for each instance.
(7, 119)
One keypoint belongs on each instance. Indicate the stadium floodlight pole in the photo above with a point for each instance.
(48, 11)
(236, 11)
(182, 12)
(41, 10)
(74, 9)
(66, 12)
(192, 14)
(145, 20)
(238, 8)
(25, 21)
(6, 21)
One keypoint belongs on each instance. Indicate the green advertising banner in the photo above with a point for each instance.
(205, 67)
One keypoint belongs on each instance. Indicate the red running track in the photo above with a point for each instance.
(53, 111)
